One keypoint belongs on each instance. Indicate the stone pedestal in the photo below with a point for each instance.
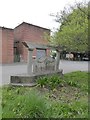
(57, 60)
(30, 62)
(44, 66)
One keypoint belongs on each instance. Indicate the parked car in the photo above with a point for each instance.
(85, 58)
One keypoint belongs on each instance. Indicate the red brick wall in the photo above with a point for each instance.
(30, 33)
(0, 45)
(23, 32)
(7, 45)
(18, 36)
(34, 34)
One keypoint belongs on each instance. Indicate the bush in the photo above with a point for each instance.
(42, 81)
(76, 79)
(50, 82)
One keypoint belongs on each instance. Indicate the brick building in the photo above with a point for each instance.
(7, 42)
(11, 41)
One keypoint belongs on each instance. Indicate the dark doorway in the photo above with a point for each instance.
(16, 52)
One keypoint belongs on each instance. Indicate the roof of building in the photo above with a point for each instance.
(6, 28)
(27, 24)
(32, 25)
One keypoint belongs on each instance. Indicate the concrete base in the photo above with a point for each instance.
(30, 80)
(21, 84)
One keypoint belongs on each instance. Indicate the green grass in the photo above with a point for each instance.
(50, 82)
(78, 79)
(22, 102)
(0, 103)
(69, 100)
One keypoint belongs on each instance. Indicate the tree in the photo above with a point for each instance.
(73, 31)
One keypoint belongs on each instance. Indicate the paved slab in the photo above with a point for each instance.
(70, 66)
(12, 69)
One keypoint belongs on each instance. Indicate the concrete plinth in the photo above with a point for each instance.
(30, 80)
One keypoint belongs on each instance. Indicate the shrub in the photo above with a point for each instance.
(76, 79)
(42, 81)
(50, 82)
(54, 81)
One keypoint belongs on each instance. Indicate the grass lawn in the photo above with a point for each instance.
(0, 103)
(53, 97)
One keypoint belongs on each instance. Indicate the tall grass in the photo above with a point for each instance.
(0, 102)
(22, 104)
(77, 79)
(25, 102)
(76, 109)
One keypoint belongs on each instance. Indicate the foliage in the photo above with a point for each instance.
(19, 105)
(73, 32)
(42, 81)
(68, 101)
(75, 109)
(50, 82)
(0, 102)
(77, 79)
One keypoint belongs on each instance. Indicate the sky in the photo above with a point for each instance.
(37, 12)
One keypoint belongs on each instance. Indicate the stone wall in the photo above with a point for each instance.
(43, 64)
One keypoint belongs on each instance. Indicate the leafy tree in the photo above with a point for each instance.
(73, 31)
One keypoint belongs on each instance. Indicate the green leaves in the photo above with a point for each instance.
(72, 110)
(68, 101)
(73, 32)
(50, 82)
(77, 79)
(29, 105)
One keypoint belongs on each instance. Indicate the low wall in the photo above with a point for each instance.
(25, 80)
